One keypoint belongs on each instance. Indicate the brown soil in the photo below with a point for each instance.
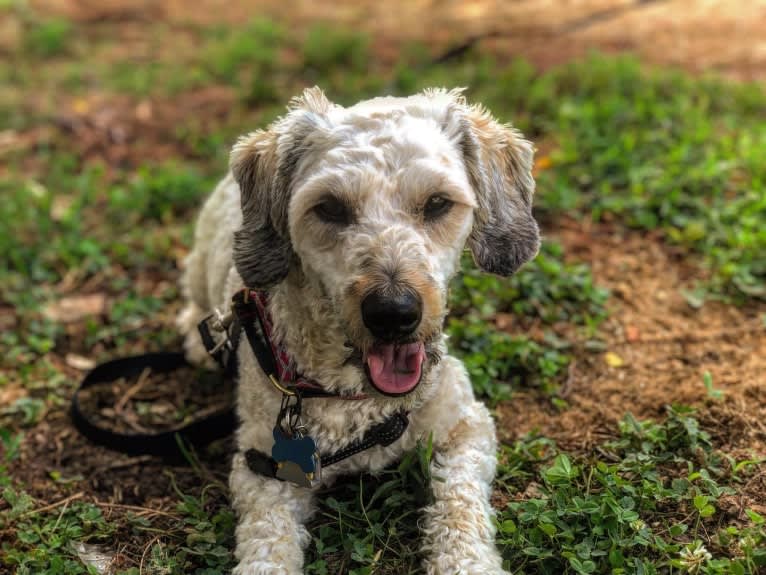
(665, 347)
(118, 131)
(718, 35)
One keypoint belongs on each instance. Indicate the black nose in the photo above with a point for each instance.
(391, 317)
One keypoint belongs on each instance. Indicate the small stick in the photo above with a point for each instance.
(125, 463)
(136, 508)
(752, 327)
(143, 555)
(133, 390)
(64, 501)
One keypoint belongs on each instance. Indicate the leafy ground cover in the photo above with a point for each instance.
(647, 297)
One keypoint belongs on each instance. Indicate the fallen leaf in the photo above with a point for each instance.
(60, 206)
(74, 308)
(543, 163)
(613, 360)
(97, 557)
(144, 111)
(81, 106)
(79, 362)
(504, 321)
(11, 393)
(632, 334)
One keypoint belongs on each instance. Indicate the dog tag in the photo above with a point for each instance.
(296, 457)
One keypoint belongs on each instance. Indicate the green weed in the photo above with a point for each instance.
(370, 524)
(247, 57)
(327, 48)
(161, 192)
(44, 542)
(48, 38)
(647, 507)
(545, 290)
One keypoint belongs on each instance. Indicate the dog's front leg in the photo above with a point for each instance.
(271, 532)
(459, 530)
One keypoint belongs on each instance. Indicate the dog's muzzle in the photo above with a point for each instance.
(394, 364)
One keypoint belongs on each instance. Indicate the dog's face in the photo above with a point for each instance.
(375, 203)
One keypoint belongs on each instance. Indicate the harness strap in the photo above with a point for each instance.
(384, 434)
(251, 317)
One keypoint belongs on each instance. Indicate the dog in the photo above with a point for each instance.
(352, 221)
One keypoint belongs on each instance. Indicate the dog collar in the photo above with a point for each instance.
(294, 456)
(249, 314)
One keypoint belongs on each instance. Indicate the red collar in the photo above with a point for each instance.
(286, 372)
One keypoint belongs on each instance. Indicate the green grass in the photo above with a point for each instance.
(646, 149)
(93, 219)
(198, 540)
(648, 504)
(48, 38)
(548, 292)
(371, 522)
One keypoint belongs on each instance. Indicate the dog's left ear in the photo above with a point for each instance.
(499, 163)
(264, 164)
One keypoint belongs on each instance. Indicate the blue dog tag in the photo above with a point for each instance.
(296, 457)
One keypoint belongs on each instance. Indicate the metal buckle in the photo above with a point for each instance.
(217, 322)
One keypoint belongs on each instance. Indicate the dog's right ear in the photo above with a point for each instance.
(264, 163)
(261, 254)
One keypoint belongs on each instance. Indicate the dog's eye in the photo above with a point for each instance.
(436, 206)
(333, 211)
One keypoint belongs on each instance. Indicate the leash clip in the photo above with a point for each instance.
(220, 321)
(221, 348)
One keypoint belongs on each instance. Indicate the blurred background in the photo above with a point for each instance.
(624, 366)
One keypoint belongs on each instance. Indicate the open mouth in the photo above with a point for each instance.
(395, 369)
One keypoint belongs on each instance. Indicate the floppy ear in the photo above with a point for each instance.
(263, 163)
(499, 164)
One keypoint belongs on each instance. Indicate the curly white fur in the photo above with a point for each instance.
(384, 158)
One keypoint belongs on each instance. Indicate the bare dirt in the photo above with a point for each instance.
(700, 35)
(657, 351)
(664, 345)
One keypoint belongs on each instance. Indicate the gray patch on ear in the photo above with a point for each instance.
(262, 248)
(261, 256)
(501, 249)
(505, 235)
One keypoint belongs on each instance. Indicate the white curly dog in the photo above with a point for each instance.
(354, 220)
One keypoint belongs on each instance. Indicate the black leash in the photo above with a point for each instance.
(246, 316)
(200, 432)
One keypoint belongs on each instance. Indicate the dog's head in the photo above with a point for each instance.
(374, 204)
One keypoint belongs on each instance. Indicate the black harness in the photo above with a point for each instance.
(249, 316)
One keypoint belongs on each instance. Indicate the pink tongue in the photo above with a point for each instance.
(396, 368)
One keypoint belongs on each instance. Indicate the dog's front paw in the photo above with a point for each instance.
(465, 568)
(264, 568)
(466, 560)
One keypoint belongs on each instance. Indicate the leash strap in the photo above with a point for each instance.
(383, 434)
(200, 432)
(249, 316)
